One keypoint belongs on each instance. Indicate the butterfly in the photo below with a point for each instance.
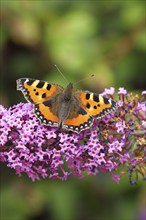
(64, 108)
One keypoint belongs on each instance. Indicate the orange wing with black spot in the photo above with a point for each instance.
(95, 105)
(37, 91)
(41, 94)
(91, 105)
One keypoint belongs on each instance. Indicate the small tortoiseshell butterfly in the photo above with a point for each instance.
(59, 107)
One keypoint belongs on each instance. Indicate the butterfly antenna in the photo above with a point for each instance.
(61, 73)
(83, 79)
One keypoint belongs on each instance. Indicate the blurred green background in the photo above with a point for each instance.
(106, 38)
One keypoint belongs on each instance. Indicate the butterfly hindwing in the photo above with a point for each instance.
(44, 113)
(78, 121)
(96, 105)
(37, 91)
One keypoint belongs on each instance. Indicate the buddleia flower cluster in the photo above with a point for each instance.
(114, 144)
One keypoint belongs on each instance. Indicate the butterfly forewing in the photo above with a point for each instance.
(96, 105)
(37, 91)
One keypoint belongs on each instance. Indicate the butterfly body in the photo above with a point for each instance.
(62, 102)
(66, 108)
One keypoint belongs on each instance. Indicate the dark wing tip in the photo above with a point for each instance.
(20, 83)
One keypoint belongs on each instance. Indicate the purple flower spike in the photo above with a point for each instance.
(42, 151)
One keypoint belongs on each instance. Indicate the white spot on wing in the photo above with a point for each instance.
(27, 80)
(110, 101)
